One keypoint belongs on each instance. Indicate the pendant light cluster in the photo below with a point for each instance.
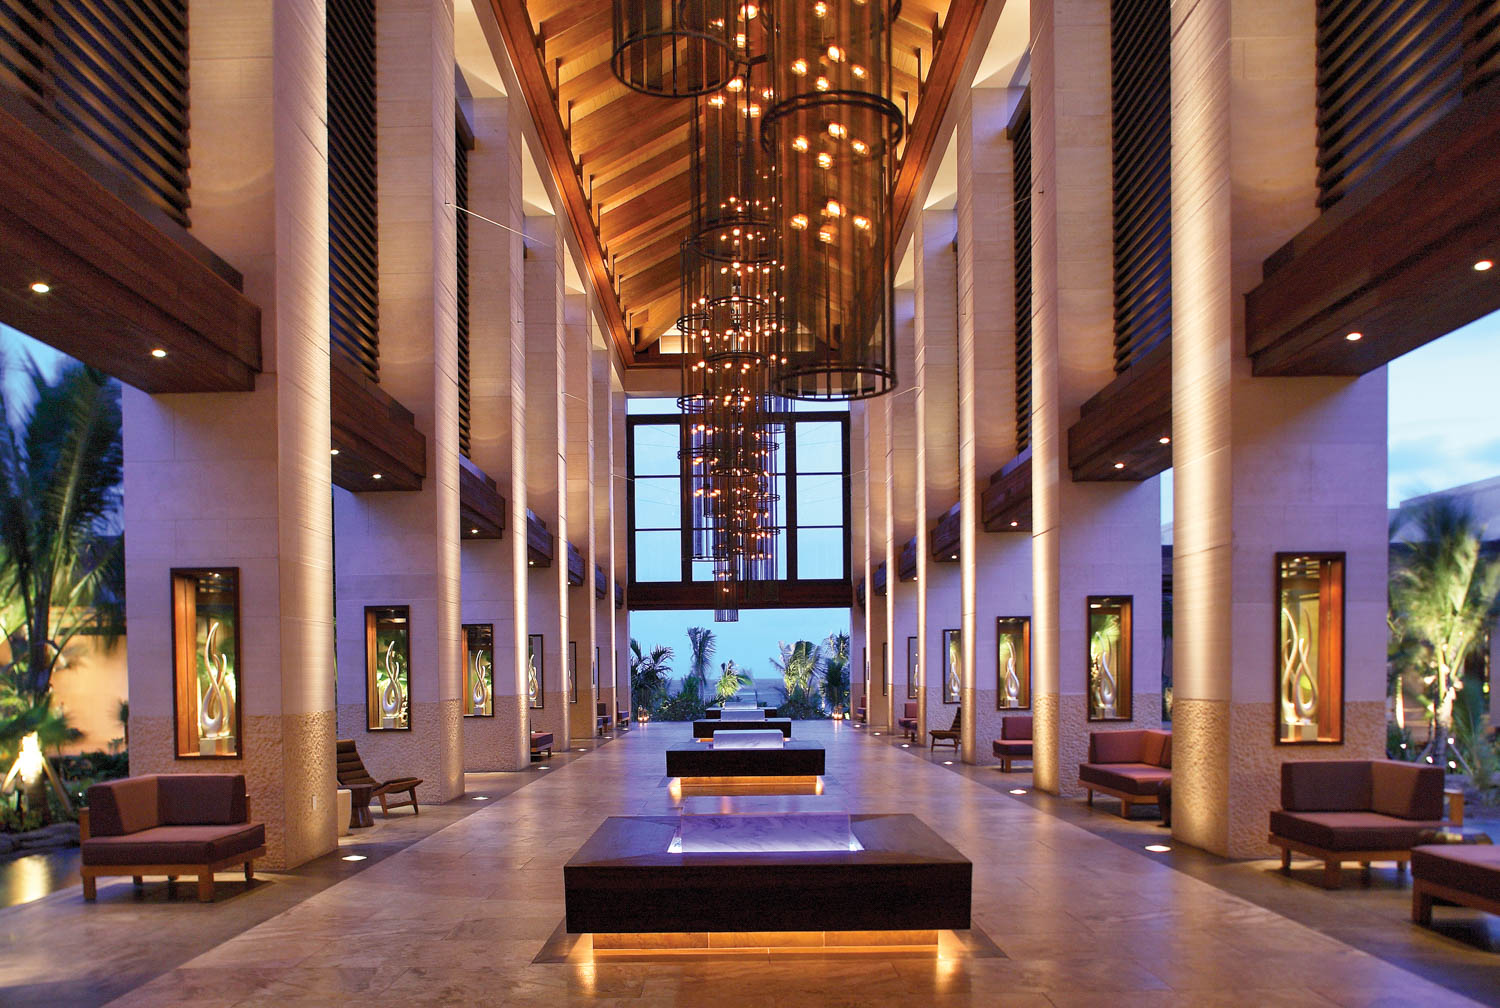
(786, 277)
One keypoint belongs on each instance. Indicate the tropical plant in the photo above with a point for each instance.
(1474, 746)
(836, 672)
(648, 676)
(1443, 594)
(701, 648)
(61, 568)
(732, 679)
(798, 664)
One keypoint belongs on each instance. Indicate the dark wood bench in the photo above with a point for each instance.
(541, 742)
(1463, 874)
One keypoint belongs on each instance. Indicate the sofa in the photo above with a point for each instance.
(1130, 765)
(1465, 874)
(541, 742)
(601, 718)
(1015, 740)
(907, 722)
(1357, 810)
(169, 824)
(861, 715)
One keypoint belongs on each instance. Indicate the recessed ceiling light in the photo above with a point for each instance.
(544, 767)
(1355, 337)
(1164, 439)
(1119, 465)
(353, 857)
(1017, 790)
(904, 745)
(375, 476)
(473, 531)
(333, 451)
(583, 750)
(158, 353)
(41, 288)
(1157, 848)
(953, 557)
(1014, 524)
(877, 733)
(481, 797)
(947, 762)
(1482, 266)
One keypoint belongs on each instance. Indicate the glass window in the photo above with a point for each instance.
(820, 553)
(820, 447)
(820, 500)
(656, 449)
(658, 503)
(658, 556)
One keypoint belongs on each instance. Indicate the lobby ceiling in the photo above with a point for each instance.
(621, 159)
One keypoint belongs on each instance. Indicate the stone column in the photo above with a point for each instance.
(902, 597)
(403, 548)
(494, 572)
(936, 380)
(605, 624)
(249, 471)
(546, 470)
(620, 535)
(578, 389)
(1262, 464)
(859, 551)
(877, 541)
(1088, 538)
(996, 566)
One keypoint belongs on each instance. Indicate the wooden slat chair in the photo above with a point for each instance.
(352, 773)
(951, 735)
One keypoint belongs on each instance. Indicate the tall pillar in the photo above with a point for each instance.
(619, 481)
(877, 607)
(1262, 464)
(859, 551)
(936, 380)
(494, 572)
(901, 505)
(250, 471)
(605, 624)
(546, 469)
(578, 385)
(1087, 538)
(996, 565)
(403, 548)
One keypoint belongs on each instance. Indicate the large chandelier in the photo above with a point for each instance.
(834, 132)
(678, 48)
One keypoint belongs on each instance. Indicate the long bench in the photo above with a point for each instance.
(706, 727)
(701, 759)
(1465, 874)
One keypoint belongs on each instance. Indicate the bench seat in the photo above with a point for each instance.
(175, 845)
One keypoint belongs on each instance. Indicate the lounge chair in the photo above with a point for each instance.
(353, 775)
(950, 735)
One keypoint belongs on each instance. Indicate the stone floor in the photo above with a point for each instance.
(1069, 909)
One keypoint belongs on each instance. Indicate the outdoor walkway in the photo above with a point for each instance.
(1068, 910)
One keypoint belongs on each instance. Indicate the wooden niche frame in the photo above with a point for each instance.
(1018, 630)
(1109, 688)
(388, 708)
(479, 640)
(1309, 675)
(200, 706)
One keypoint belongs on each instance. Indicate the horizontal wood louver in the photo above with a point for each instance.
(353, 211)
(463, 143)
(1019, 133)
(1481, 43)
(1386, 72)
(1141, 104)
(116, 75)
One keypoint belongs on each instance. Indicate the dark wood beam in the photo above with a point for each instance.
(124, 279)
(1120, 431)
(906, 565)
(645, 595)
(575, 566)
(540, 543)
(371, 433)
(877, 579)
(481, 509)
(943, 540)
(958, 36)
(1392, 260)
(536, 88)
(1005, 504)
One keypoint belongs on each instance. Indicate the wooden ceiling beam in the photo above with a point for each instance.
(626, 123)
(621, 187)
(959, 36)
(523, 45)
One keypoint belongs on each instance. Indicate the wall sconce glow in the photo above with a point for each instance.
(1158, 848)
(158, 353)
(1482, 266)
(41, 288)
(1018, 790)
(353, 857)
(1355, 337)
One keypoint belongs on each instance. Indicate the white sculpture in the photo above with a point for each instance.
(1299, 687)
(391, 697)
(214, 699)
(479, 690)
(1012, 678)
(1104, 677)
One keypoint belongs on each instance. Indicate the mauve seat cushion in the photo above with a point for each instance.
(123, 806)
(1126, 746)
(907, 722)
(1470, 868)
(1350, 831)
(1132, 778)
(540, 737)
(201, 799)
(1016, 728)
(1012, 749)
(174, 845)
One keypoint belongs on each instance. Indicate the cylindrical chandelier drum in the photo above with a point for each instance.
(677, 48)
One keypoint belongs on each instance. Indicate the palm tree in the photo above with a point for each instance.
(836, 671)
(648, 675)
(61, 569)
(701, 648)
(1443, 595)
(732, 679)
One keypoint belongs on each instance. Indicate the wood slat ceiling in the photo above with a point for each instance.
(621, 159)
